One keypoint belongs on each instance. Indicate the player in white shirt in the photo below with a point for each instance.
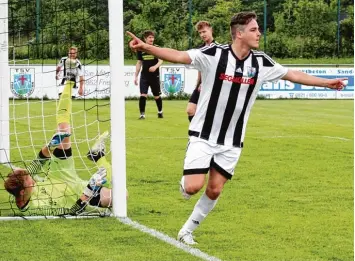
(231, 76)
(205, 31)
(72, 69)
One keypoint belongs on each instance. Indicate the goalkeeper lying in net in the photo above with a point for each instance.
(61, 191)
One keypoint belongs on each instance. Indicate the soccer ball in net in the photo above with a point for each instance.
(70, 63)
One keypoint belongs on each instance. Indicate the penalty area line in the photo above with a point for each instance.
(163, 237)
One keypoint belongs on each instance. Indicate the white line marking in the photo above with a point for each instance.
(127, 221)
(302, 137)
(46, 217)
(336, 138)
(192, 251)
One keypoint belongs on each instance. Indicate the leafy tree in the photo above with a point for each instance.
(347, 32)
(220, 17)
(295, 28)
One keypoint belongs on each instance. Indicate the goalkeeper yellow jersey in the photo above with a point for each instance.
(57, 190)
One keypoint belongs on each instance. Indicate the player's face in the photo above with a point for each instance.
(72, 54)
(251, 34)
(149, 39)
(28, 183)
(206, 34)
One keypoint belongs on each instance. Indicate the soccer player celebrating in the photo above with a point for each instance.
(232, 76)
(60, 191)
(205, 31)
(72, 69)
(149, 76)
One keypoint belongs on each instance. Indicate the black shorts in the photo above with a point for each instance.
(64, 80)
(152, 82)
(194, 96)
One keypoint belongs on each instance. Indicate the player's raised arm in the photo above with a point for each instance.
(165, 54)
(306, 79)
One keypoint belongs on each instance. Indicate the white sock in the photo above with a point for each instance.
(203, 206)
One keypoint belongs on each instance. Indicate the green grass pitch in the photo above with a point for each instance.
(291, 197)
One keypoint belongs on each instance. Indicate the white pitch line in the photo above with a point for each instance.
(163, 237)
(302, 137)
(336, 138)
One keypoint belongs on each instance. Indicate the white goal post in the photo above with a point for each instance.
(118, 137)
(117, 102)
(4, 84)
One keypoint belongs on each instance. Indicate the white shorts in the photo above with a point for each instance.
(201, 155)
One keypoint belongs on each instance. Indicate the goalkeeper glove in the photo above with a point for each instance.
(96, 181)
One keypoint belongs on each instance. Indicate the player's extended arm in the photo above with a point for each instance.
(306, 79)
(165, 54)
(168, 54)
(36, 164)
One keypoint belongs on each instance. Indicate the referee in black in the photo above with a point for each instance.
(149, 76)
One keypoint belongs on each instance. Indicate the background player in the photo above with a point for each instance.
(205, 31)
(67, 75)
(149, 76)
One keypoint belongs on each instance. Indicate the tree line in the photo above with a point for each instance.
(294, 28)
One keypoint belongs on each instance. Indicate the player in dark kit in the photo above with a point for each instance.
(149, 77)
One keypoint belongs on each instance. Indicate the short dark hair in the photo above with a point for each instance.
(201, 24)
(15, 181)
(148, 33)
(240, 20)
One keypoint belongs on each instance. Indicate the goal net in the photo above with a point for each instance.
(56, 82)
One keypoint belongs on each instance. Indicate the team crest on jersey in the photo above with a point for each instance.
(251, 71)
(173, 79)
(22, 81)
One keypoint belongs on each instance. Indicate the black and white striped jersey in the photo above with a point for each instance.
(229, 89)
(71, 73)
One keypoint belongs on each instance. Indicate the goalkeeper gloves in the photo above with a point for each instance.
(96, 181)
(58, 138)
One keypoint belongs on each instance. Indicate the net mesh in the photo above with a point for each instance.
(40, 35)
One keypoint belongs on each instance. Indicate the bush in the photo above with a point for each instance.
(276, 45)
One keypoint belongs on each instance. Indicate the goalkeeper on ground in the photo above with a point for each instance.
(60, 191)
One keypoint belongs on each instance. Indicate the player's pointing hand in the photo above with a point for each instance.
(337, 84)
(135, 44)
